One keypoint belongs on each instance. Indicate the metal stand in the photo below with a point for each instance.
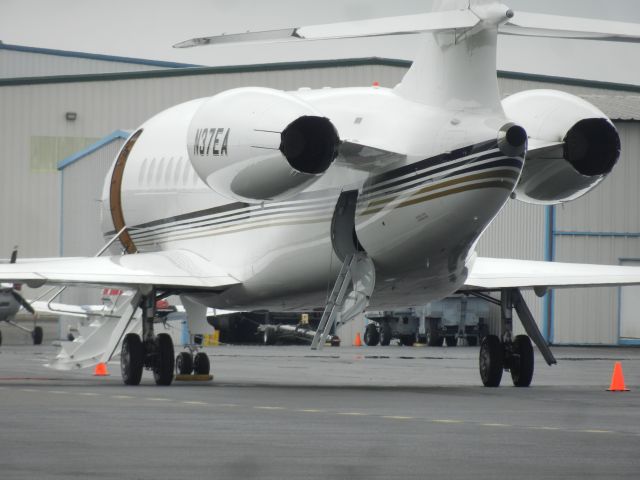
(334, 303)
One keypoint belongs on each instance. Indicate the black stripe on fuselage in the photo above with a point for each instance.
(238, 217)
(289, 214)
(370, 186)
(475, 164)
(504, 162)
(229, 209)
(429, 162)
(433, 170)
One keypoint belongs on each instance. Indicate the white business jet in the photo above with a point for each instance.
(257, 198)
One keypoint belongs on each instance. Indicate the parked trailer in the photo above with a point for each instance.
(445, 321)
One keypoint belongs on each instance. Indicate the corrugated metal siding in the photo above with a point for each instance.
(517, 232)
(28, 64)
(82, 184)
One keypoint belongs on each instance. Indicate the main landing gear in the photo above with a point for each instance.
(504, 353)
(153, 352)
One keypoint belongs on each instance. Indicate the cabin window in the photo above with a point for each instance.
(160, 171)
(151, 172)
(168, 176)
(142, 177)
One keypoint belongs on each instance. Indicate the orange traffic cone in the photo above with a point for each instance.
(357, 342)
(101, 370)
(617, 380)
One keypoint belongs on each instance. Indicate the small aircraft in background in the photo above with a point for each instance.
(11, 300)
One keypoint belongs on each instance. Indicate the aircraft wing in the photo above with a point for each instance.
(175, 268)
(495, 273)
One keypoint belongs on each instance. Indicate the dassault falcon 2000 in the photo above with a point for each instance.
(383, 191)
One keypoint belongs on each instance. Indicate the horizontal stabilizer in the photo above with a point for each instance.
(496, 273)
(522, 23)
(405, 24)
(542, 25)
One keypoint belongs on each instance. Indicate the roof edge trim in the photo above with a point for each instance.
(189, 71)
(303, 64)
(95, 56)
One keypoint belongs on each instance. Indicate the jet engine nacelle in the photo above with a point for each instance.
(257, 144)
(572, 145)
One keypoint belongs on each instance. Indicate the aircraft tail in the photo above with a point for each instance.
(456, 69)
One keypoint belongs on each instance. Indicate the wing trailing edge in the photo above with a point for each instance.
(496, 273)
(176, 269)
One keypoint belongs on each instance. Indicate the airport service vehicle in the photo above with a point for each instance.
(441, 321)
(385, 326)
(269, 196)
(454, 318)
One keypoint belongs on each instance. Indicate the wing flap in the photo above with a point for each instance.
(177, 268)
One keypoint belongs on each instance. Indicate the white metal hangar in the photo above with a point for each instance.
(65, 115)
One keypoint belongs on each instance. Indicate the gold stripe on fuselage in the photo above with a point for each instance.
(416, 198)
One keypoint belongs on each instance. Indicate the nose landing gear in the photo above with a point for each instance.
(188, 363)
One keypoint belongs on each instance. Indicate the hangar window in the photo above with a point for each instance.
(46, 152)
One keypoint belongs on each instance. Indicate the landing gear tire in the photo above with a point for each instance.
(522, 363)
(408, 340)
(131, 359)
(37, 335)
(201, 365)
(184, 363)
(371, 335)
(433, 339)
(385, 335)
(163, 361)
(491, 361)
(269, 337)
(451, 340)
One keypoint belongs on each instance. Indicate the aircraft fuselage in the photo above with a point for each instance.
(418, 215)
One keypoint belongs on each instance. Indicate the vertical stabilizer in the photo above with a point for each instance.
(456, 69)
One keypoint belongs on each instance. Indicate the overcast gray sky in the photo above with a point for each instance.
(148, 28)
